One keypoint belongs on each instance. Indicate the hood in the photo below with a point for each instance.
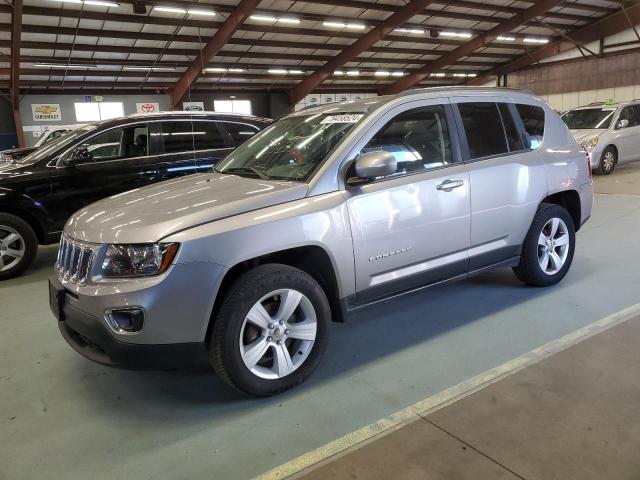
(583, 134)
(151, 213)
(11, 170)
(19, 152)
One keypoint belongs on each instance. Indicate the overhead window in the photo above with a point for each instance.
(96, 111)
(232, 106)
(483, 128)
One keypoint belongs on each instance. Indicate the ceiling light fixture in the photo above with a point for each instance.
(224, 70)
(284, 71)
(382, 73)
(198, 11)
(397, 74)
(413, 30)
(535, 40)
(97, 3)
(439, 75)
(271, 18)
(169, 9)
(337, 24)
(447, 33)
(506, 38)
(353, 73)
(62, 65)
(339, 72)
(145, 68)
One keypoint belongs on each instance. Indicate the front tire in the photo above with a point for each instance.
(271, 330)
(18, 246)
(608, 161)
(548, 248)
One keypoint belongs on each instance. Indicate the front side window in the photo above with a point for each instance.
(291, 148)
(118, 143)
(483, 128)
(418, 138)
(631, 114)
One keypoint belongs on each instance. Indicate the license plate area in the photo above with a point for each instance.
(57, 297)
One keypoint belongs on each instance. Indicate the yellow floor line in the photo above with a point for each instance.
(446, 397)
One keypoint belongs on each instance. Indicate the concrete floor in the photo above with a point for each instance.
(63, 417)
(572, 416)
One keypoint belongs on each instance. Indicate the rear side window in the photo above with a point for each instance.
(186, 136)
(239, 132)
(207, 136)
(513, 136)
(483, 128)
(533, 120)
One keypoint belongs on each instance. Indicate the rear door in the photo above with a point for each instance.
(506, 177)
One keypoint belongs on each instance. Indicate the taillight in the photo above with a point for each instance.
(586, 152)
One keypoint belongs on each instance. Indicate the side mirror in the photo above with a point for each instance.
(624, 123)
(80, 154)
(375, 164)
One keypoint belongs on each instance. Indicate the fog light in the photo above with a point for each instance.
(125, 320)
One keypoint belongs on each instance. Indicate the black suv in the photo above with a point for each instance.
(40, 191)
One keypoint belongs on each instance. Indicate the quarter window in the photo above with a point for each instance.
(239, 132)
(418, 138)
(483, 128)
(533, 121)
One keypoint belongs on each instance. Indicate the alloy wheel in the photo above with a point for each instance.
(278, 334)
(12, 248)
(553, 246)
(608, 161)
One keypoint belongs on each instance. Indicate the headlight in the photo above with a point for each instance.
(138, 260)
(591, 143)
(6, 157)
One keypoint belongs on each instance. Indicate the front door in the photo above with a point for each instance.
(411, 228)
(629, 136)
(112, 166)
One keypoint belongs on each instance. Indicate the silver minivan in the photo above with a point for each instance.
(609, 132)
(326, 211)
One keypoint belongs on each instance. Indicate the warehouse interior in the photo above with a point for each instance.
(481, 378)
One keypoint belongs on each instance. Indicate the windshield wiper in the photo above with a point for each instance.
(245, 170)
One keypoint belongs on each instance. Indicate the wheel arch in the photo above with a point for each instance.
(312, 259)
(569, 200)
(30, 218)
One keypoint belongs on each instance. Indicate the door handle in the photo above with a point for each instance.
(449, 185)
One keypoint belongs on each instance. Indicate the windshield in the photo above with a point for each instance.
(63, 141)
(588, 118)
(291, 148)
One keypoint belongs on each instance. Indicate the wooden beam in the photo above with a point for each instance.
(466, 49)
(606, 27)
(359, 46)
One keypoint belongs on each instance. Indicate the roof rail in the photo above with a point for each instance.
(453, 88)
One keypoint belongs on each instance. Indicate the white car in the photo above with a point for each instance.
(50, 134)
(609, 132)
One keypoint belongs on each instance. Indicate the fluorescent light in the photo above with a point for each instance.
(353, 73)
(535, 40)
(277, 71)
(98, 3)
(224, 70)
(438, 75)
(62, 65)
(289, 20)
(169, 9)
(144, 68)
(416, 31)
(296, 72)
(448, 33)
(397, 74)
(464, 75)
(382, 73)
(339, 72)
(197, 11)
(263, 18)
(471, 75)
(337, 24)
(506, 38)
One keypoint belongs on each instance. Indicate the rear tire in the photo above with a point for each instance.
(18, 246)
(271, 330)
(608, 161)
(548, 248)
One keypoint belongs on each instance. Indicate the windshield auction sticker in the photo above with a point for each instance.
(344, 118)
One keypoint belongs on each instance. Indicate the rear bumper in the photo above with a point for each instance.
(88, 336)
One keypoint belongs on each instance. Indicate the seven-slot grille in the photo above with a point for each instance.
(75, 260)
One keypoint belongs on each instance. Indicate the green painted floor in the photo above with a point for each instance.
(64, 417)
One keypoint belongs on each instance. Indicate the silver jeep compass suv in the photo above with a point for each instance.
(323, 212)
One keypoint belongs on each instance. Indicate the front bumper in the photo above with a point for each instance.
(89, 336)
